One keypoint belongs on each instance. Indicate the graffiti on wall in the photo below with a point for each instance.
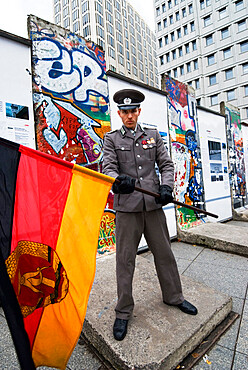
(236, 156)
(185, 150)
(70, 95)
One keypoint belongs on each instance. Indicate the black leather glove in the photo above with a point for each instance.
(165, 193)
(123, 185)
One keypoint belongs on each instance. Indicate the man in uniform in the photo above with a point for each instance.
(129, 155)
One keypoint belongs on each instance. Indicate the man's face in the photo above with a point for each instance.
(129, 117)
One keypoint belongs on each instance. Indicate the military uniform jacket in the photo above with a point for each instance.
(135, 156)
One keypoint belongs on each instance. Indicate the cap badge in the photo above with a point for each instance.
(127, 101)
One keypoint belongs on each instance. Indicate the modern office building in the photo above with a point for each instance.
(128, 42)
(205, 43)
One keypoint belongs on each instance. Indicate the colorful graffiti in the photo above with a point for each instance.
(236, 156)
(185, 151)
(70, 95)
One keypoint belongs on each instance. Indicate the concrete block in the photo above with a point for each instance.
(227, 238)
(159, 336)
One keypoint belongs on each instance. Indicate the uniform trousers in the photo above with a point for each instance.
(129, 228)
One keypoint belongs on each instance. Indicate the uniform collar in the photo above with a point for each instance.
(125, 131)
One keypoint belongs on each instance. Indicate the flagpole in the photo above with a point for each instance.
(195, 209)
(14, 319)
(156, 195)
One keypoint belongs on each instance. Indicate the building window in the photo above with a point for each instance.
(224, 33)
(242, 25)
(184, 12)
(157, 11)
(214, 99)
(76, 26)
(244, 46)
(179, 33)
(175, 72)
(180, 51)
(185, 29)
(198, 101)
(194, 45)
(168, 57)
(208, 2)
(169, 4)
(209, 40)
(227, 53)
(246, 110)
(195, 64)
(190, 8)
(166, 40)
(192, 26)
(202, 4)
(182, 70)
(229, 73)
(186, 48)
(245, 68)
(207, 20)
(176, 2)
(159, 26)
(188, 67)
(212, 79)
(230, 95)
(160, 43)
(177, 16)
(197, 83)
(165, 22)
(161, 60)
(174, 54)
(222, 13)
(211, 59)
(246, 90)
(172, 36)
(239, 5)
(163, 8)
(171, 19)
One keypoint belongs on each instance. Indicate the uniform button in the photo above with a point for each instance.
(138, 155)
(141, 178)
(137, 144)
(122, 148)
(140, 167)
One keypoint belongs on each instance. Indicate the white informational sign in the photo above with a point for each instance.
(245, 146)
(212, 131)
(154, 115)
(16, 104)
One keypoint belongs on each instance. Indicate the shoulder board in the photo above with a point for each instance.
(148, 128)
(111, 132)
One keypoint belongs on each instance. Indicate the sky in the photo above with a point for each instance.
(13, 13)
(145, 9)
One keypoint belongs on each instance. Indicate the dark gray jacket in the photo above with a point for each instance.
(136, 157)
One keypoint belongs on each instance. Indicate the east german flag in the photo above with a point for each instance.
(50, 212)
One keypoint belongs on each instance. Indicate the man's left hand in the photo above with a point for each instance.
(165, 193)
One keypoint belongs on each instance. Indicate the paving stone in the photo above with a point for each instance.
(240, 361)
(159, 336)
(219, 359)
(227, 280)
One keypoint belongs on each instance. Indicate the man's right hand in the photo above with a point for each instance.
(123, 185)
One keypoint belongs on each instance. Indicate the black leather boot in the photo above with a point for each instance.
(120, 329)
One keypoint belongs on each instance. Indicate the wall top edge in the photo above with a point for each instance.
(134, 82)
(209, 110)
(14, 37)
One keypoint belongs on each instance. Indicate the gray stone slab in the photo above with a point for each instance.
(159, 336)
(224, 237)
